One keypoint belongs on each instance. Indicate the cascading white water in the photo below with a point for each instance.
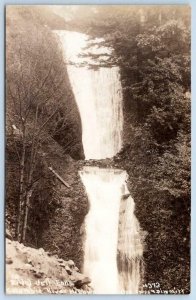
(98, 96)
(113, 247)
(130, 248)
(104, 189)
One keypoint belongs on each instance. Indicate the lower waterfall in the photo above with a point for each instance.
(108, 247)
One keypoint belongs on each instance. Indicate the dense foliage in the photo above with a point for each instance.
(40, 111)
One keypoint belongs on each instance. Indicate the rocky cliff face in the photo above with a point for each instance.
(35, 271)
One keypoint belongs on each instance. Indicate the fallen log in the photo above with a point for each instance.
(59, 177)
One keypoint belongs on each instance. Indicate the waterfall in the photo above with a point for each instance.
(113, 247)
(104, 189)
(130, 248)
(98, 96)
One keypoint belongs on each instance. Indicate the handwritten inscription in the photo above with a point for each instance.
(46, 286)
(155, 288)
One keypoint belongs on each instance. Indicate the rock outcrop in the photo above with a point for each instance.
(35, 271)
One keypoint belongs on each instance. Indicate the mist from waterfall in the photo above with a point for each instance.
(113, 247)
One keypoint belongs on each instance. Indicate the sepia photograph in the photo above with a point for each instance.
(98, 149)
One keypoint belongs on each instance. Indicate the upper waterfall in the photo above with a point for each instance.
(98, 94)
